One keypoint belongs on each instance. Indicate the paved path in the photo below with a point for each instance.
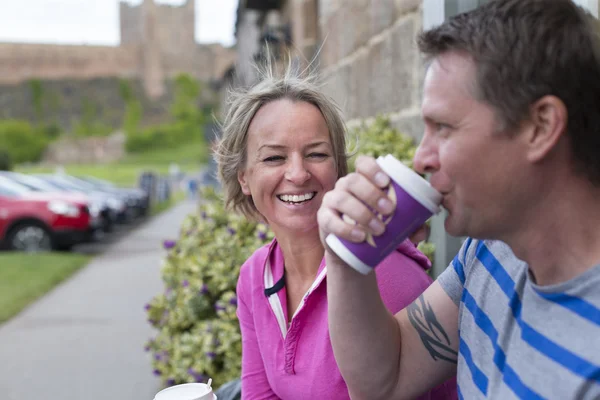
(85, 339)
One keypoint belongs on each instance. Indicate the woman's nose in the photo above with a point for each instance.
(297, 172)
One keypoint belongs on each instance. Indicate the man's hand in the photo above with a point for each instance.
(345, 210)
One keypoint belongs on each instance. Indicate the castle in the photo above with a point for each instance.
(157, 42)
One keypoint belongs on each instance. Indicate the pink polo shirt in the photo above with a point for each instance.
(297, 362)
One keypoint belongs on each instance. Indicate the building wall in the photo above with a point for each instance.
(370, 60)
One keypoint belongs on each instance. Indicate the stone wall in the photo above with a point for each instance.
(370, 61)
(63, 101)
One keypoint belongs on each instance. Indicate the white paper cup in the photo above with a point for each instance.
(187, 391)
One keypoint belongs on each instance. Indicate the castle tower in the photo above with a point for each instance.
(152, 69)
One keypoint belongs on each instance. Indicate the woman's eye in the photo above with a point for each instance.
(318, 155)
(273, 158)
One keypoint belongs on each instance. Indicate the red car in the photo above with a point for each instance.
(41, 221)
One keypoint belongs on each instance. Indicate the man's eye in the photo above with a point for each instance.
(273, 159)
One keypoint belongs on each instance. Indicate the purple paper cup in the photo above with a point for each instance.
(415, 200)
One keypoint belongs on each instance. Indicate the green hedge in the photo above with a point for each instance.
(198, 334)
(21, 141)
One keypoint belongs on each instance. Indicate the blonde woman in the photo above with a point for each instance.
(283, 148)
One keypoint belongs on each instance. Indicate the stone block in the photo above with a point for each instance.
(404, 7)
(381, 85)
(359, 84)
(404, 63)
(381, 13)
(330, 40)
(311, 21)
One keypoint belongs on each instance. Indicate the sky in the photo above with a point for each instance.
(96, 22)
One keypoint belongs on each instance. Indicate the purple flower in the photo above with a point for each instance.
(197, 376)
(156, 372)
(150, 320)
(157, 357)
(147, 348)
(170, 382)
(231, 231)
(204, 289)
(219, 307)
(211, 355)
(203, 215)
(169, 244)
(262, 235)
(233, 301)
(147, 307)
(185, 283)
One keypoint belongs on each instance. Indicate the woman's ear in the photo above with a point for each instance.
(548, 118)
(243, 182)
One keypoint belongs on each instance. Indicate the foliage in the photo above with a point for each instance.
(37, 95)
(379, 138)
(5, 161)
(185, 127)
(198, 333)
(21, 141)
(133, 108)
(90, 123)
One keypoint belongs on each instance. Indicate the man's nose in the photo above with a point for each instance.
(426, 159)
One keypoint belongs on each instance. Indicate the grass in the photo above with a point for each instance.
(26, 277)
(127, 171)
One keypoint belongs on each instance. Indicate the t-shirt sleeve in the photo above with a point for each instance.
(453, 278)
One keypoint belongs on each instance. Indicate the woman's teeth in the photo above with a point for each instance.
(288, 198)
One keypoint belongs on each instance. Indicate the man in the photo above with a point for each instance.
(512, 141)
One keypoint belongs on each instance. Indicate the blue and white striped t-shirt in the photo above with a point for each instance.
(520, 340)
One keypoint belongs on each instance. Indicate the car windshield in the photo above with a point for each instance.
(32, 182)
(9, 188)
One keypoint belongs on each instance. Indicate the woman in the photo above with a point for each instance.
(283, 148)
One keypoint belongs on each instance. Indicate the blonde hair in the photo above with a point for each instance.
(291, 84)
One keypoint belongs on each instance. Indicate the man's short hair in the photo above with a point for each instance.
(524, 50)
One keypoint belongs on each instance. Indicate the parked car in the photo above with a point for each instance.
(118, 208)
(137, 198)
(99, 210)
(40, 221)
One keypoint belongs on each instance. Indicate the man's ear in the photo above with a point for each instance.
(243, 182)
(548, 119)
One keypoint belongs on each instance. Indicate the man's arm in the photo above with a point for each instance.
(380, 355)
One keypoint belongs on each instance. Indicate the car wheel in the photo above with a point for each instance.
(30, 238)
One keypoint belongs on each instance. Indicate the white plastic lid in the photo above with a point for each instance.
(187, 391)
(411, 182)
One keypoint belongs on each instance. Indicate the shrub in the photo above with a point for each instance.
(163, 136)
(21, 141)
(198, 334)
(379, 138)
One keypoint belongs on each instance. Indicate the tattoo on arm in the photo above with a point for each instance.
(432, 334)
